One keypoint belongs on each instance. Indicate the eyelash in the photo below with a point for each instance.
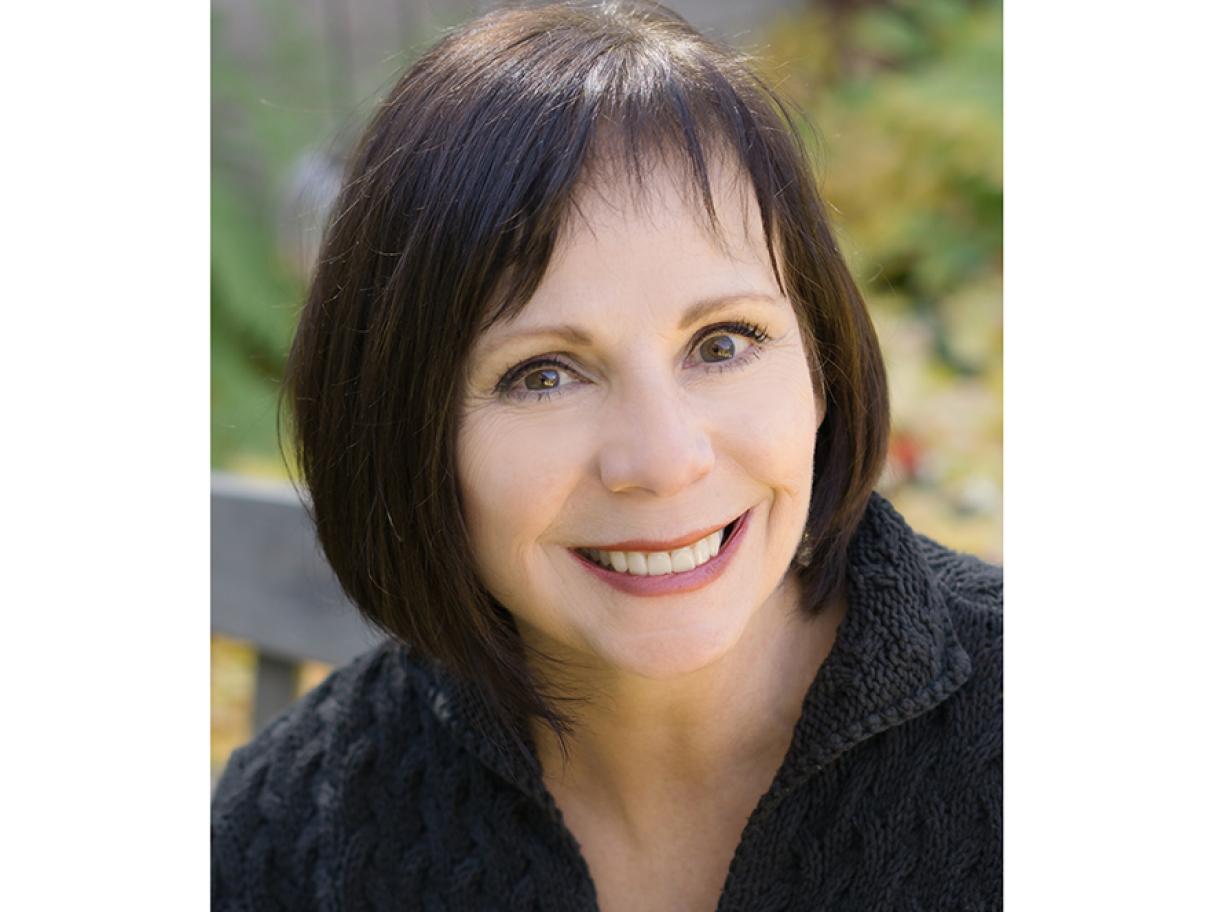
(758, 334)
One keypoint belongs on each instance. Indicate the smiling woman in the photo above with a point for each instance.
(591, 414)
(685, 403)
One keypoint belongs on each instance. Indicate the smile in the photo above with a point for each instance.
(665, 572)
(659, 562)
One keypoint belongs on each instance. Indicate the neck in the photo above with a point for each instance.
(643, 748)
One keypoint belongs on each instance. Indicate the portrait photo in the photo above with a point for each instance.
(607, 455)
(565, 456)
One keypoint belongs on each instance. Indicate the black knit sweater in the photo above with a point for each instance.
(388, 786)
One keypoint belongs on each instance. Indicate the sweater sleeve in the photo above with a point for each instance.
(228, 842)
(266, 815)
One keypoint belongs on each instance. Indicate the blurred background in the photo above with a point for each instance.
(904, 98)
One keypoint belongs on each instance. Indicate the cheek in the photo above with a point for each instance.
(513, 484)
(773, 428)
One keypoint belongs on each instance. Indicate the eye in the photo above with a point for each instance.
(719, 347)
(542, 378)
(716, 346)
(714, 349)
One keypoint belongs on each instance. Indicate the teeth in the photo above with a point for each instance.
(682, 560)
(658, 563)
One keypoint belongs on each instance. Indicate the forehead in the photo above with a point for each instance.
(628, 243)
(659, 190)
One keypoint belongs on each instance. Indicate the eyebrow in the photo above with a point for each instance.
(698, 310)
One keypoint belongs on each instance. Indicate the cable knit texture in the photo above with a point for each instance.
(390, 786)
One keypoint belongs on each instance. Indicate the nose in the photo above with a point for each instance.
(653, 442)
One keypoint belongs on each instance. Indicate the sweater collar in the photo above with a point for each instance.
(895, 657)
(896, 654)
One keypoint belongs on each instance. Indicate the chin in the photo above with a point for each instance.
(668, 654)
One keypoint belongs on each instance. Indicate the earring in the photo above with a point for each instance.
(802, 557)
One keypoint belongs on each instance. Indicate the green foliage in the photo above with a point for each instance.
(253, 307)
(264, 112)
(905, 99)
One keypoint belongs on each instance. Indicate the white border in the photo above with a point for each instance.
(1109, 343)
(104, 364)
(1108, 507)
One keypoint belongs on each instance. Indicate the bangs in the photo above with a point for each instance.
(588, 106)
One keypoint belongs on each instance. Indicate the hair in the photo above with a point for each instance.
(450, 210)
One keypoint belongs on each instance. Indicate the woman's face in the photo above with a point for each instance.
(654, 390)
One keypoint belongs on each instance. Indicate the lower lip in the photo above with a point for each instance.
(671, 583)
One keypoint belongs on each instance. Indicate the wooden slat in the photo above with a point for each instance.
(270, 584)
(274, 690)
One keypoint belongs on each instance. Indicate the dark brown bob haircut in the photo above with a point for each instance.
(451, 208)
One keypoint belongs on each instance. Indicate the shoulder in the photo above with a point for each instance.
(314, 725)
(281, 795)
(962, 740)
(972, 592)
(964, 574)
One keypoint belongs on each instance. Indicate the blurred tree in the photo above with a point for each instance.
(903, 120)
(905, 96)
(264, 110)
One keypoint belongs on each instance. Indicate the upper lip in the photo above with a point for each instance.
(650, 544)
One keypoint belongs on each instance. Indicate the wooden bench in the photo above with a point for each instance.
(271, 586)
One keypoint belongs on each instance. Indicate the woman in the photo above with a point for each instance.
(591, 413)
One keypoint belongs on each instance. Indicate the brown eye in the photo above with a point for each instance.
(718, 348)
(541, 379)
